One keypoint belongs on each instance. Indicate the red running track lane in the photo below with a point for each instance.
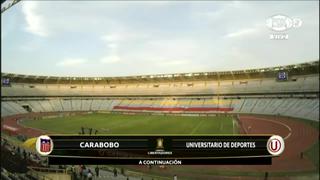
(12, 121)
(298, 138)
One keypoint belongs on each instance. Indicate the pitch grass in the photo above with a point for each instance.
(135, 124)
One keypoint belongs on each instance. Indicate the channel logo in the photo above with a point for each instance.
(281, 22)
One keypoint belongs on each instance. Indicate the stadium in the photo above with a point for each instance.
(252, 101)
(159, 69)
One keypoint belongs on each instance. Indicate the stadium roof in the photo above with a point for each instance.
(294, 69)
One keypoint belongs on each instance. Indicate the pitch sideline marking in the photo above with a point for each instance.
(197, 127)
(233, 126)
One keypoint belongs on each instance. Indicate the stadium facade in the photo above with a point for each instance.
(266, 99)
(253, 91)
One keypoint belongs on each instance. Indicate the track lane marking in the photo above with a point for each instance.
(283, 124)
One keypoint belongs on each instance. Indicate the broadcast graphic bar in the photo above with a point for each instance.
(157, 150)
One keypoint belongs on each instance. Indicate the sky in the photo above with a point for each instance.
(107, 38)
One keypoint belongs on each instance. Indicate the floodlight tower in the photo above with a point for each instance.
(6, 4)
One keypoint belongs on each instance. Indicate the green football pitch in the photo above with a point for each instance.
(136, 124)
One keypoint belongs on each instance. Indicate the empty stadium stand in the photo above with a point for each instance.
(301, 84)
(256, 91)
(295, 107)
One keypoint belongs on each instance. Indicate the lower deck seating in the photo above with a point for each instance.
(295, 107)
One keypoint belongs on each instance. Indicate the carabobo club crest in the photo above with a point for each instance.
(44, 145)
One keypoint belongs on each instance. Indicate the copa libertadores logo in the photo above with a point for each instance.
(44, 145)
(280, 23)
(275, 145)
